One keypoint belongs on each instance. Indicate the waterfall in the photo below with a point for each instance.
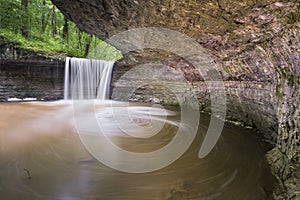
(87, 78)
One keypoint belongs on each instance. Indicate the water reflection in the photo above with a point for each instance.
(41, 138)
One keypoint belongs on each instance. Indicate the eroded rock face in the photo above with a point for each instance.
(40, 80)
(28, 74)
(255, 45)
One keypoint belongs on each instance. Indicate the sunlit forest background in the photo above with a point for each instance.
(39, 26)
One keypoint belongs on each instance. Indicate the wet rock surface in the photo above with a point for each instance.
(40, 80)
(254, 44)
(27, 74)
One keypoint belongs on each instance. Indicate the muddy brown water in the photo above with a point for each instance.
(41, 157)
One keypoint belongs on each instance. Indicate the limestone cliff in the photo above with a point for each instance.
(255, 44)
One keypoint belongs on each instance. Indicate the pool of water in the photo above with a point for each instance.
(42, 157)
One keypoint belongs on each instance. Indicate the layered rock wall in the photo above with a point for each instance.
(26, 74)
(255, 45)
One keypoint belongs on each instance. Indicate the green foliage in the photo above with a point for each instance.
(278, 92)
(104, 51)
(49, 32)
(49, 46)
(293, 17)
(10, 14)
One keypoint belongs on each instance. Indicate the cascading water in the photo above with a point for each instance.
(87, 78)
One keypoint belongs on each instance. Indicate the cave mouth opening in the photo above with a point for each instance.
(235, 168)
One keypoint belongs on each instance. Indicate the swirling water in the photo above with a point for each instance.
(42, 157)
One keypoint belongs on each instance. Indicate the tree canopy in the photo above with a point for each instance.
(39, 26)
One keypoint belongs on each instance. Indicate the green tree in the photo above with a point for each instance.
(43, 16)
(66, 30)
(24, 11)
(39, 26)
